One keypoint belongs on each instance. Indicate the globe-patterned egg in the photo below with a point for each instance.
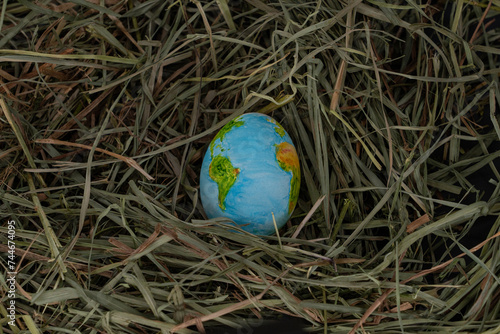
(251, 172)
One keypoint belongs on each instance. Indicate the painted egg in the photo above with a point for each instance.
(251, 172)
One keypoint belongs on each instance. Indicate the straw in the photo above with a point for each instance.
(108, 107)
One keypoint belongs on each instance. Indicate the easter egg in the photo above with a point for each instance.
(251, 172)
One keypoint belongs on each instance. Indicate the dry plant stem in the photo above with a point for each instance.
(63, 56)
(308, 216)
(187, 69)
(9, 151)
(32, 256)
(339, 83)
(375, 57)
(124, 30)
(232, 308)
(222, 312)
(245, 75)
(196, 105)
(209, 31)
(384, 296)
(20, 135)
(130, 253)
(129, 161)
(91, 107)
(417, 223)
(476, 31)
(472, 39)
(53, 241)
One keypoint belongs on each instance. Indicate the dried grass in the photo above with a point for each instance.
(108, 106)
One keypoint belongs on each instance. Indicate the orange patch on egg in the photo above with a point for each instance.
(286, 154)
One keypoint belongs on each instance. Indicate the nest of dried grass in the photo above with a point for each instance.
(107, 108)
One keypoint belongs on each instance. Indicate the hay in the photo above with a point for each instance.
(107, 108)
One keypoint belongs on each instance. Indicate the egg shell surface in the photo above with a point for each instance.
(250, 172)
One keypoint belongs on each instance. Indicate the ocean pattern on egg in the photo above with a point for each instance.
(251, 170)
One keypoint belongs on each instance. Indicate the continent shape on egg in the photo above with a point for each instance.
(224, 174)
(289, 162)
(251, 171)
